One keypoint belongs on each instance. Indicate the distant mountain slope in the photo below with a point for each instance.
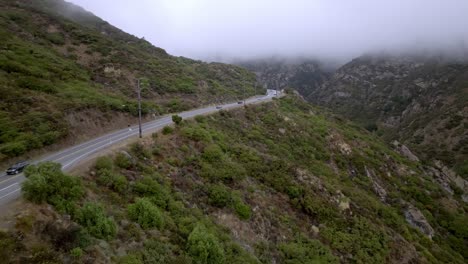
(304, 75)
(60, 65)
(282, 182)
(420, 101)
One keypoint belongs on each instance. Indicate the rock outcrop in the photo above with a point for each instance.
(416, 219)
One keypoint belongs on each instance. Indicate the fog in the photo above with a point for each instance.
(334, 29)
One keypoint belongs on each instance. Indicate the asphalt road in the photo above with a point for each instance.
(10, 186)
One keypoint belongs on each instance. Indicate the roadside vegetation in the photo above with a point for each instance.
(281, 182)
(58, 61)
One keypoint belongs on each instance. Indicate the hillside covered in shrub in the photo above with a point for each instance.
(282, 182)
(61, 67)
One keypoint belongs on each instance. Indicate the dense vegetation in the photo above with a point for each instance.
(57, 60)
(418, 100)
(282, 182)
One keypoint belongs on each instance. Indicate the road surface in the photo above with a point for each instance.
(10, 186)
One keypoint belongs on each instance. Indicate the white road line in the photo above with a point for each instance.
(115, 137)
(1, 197)
(9, 186)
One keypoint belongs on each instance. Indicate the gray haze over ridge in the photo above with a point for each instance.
(330, 29)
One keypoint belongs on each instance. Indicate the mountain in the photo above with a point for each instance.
(305, 75)
(66, 75)
(421, 101)
(418, 100)
(281, 182)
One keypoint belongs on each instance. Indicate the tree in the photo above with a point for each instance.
(177, 119)
(94, 219)
(47, 183)
(146, 214)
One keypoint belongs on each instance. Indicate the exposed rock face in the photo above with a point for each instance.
(405, 151)
(416, 219)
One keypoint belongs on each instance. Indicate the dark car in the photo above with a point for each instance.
(240, 102)
(17, 168)
(219, 107)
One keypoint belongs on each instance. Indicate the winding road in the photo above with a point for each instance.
(10, 186)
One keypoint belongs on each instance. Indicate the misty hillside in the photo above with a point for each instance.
(304, 75)
(420, 101)
(283, 182)
(65, 74)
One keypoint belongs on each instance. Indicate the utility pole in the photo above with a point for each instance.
(256, 93)
(277, 85)
(139, 108)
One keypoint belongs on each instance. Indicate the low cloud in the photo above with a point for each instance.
(337, 29)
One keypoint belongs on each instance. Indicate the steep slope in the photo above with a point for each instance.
(65, 74)
(420, 101)
(282, 182)
(303, 75)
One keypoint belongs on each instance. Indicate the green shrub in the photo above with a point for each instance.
(8, 245)
(204, 247)
(200, 119)
(47, 183)
(177, 119)
(110, 179)
(212, 153)
(365, 241)
(167, 130)
(104, 163)
(158, 193)
(219, 195)
(130, 259)
(123, 161)
(145, 213)
(13, 149)
(140, 151)
(196, 133)
(242, 210)
(92, 217)
(76, 252)
(226, 171)
(306, 251)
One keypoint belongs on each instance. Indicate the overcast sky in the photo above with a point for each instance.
(321, 28)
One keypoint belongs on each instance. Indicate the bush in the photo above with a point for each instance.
(196, 133)
(116, 182)
(204, 247)
(306, 251)
(212, 153)
(104, 163)
(158, 193)
(243, 210)
(167, 130)
(13, 149)
(47, 183)
(92, 217)
(177, 119)
(219, 195)
(76, 252)
(130, 259)
(145, 213)
(123, 161)
(140, 151)
(200, 119)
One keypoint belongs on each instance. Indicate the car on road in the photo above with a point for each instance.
(240, 102)
(219, 107)
(17, 168)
